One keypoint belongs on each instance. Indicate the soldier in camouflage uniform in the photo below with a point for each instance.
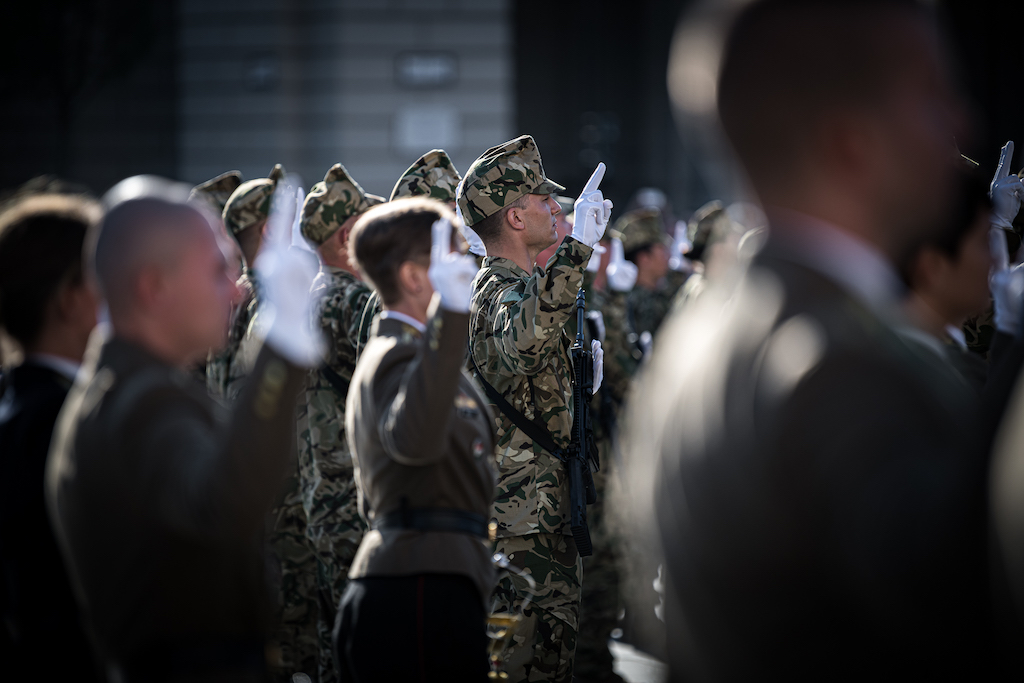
(433, 175)
(518, 344)
(647, 245)
(714, 238)
(245, 216)
(334, 527)
(293, 646)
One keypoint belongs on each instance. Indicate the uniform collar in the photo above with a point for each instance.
(502, 263)
(64, 367)
(405, 319)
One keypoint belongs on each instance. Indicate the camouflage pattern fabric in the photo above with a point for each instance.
(601, 597)
(293, 645)
(326, 474)
(979, 331)
(621, 354)
(518, 343)
(225, 369)
(640, 228)
(702, 224)
(544, 644)
(647, 308)
(432, 175)
(331, 202)
(370, 312)
(502, 175)
(249, 204)
(217, 191)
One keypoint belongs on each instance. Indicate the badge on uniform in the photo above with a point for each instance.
(466, 407)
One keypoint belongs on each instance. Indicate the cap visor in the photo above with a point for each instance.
(548, 187)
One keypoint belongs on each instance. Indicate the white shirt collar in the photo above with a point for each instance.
(853, 264)
(62, 366)
(407, 319)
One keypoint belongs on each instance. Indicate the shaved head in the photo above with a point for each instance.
(141, 233)
(162, 270)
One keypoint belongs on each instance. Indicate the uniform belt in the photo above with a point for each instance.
(452, 521)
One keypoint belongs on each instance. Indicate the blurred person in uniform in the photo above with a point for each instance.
(948, 278)
(158, 494)
(815, 487)
(519, 347)
(215, 193)
(422, 440)
(648, 246)
(49, 310)
(245, 210)
(245, 216)
(326, 478)
(433, 175)
(714, 239)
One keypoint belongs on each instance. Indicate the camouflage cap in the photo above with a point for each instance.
(249, 204)
(331, 202)
(217, 191)
(432, 175)
(502, 175)
(703, 224)
(640, 228)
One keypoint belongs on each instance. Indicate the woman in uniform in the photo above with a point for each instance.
(421, 439)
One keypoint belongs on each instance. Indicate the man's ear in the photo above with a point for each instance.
(412, 277)
(514, 217)
(149, 285)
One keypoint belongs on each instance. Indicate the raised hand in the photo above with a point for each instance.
(286, 276)
(621, 273)
(1006, 191)
(476, 245)
(592, 210)
(451, 273)
(680, 246)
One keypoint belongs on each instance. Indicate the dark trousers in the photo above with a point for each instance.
(428, 627)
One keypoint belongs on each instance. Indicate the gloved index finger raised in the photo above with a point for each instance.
(440, 239)
(1005, 157)
(595, 179)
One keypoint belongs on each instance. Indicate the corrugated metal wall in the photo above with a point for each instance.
(372, 84)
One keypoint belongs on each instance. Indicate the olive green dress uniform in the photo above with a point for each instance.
(159, 498)
(518, 343)
(326, 484)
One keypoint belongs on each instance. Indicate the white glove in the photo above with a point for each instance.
(591, 211)
(476, 245)
(594, 263)
(287, 276)
(621, 273)
(1006, 284)
(450, 272)
(680, 245)
(598, 318)
(1006, 191)
(595, 348)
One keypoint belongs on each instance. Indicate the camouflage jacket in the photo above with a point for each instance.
(517, 340)
(621, 354)
(226, 368)
(325, 463)
(647, 309)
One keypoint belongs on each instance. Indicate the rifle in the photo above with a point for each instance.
(582, 451)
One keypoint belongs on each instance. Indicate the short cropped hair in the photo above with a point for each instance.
(388, 235)
(787, 63)
(489, 229)
(41, 239)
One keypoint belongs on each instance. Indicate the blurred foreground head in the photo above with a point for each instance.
(844, 110)
(161, 270)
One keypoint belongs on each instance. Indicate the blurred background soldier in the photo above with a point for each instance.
(325, 465)
(519, 348)
(245, 217)
(816, 484)
(159, 497)
(646, 244)
(423, 443)
(432, 175)
(48, 309)
(714, 242)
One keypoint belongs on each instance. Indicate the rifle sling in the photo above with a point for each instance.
(537, 433)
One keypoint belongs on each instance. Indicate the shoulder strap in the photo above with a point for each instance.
(536, 432)
(335, 380)
(365, 321)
